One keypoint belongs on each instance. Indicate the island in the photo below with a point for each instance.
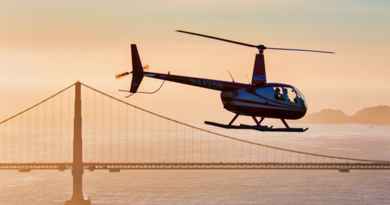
(370, 115)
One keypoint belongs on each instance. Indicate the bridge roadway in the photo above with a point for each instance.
(115, 167)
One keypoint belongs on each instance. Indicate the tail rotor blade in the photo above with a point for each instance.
(121, 75)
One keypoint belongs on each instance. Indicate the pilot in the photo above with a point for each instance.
(278, 95)
(298, 100)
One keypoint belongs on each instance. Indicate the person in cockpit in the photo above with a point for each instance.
(297, 100)
(277, 93)
(285, 95)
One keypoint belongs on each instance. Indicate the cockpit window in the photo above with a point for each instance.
(288, 95)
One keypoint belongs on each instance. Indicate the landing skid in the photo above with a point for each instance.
(255, 127)
(258, 126)
(268, 129)
(241, 126)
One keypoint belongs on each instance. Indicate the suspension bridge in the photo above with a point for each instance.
(81, 128)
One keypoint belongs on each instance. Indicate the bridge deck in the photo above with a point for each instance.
(248, 165)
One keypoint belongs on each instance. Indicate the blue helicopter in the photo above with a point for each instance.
(258, 99)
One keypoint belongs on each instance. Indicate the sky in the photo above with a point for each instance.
(46, 45)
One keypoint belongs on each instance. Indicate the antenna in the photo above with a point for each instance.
(231, 76)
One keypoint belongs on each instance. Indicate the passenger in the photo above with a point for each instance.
(278, 95)
(285, 95)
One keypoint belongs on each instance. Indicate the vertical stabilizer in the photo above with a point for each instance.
(138, 73)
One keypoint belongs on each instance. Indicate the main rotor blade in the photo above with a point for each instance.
(217, 38)
(260, 47)
(303, 50)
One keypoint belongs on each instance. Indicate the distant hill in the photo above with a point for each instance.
(370, 115)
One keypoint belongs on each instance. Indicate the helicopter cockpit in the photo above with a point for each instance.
(283, 93)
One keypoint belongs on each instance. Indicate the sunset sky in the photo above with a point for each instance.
(46, 45)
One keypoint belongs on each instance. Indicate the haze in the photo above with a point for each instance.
(46, 45)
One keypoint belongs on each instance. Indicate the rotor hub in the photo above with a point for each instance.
(261, 48)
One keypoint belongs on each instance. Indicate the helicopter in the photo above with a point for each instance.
(258, 99)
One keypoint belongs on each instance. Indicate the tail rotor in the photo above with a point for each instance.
(137, 70)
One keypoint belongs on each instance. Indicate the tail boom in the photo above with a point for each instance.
(199, 82)
(138, 75)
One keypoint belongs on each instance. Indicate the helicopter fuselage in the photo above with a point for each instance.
(262, 101)
(247, 99)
